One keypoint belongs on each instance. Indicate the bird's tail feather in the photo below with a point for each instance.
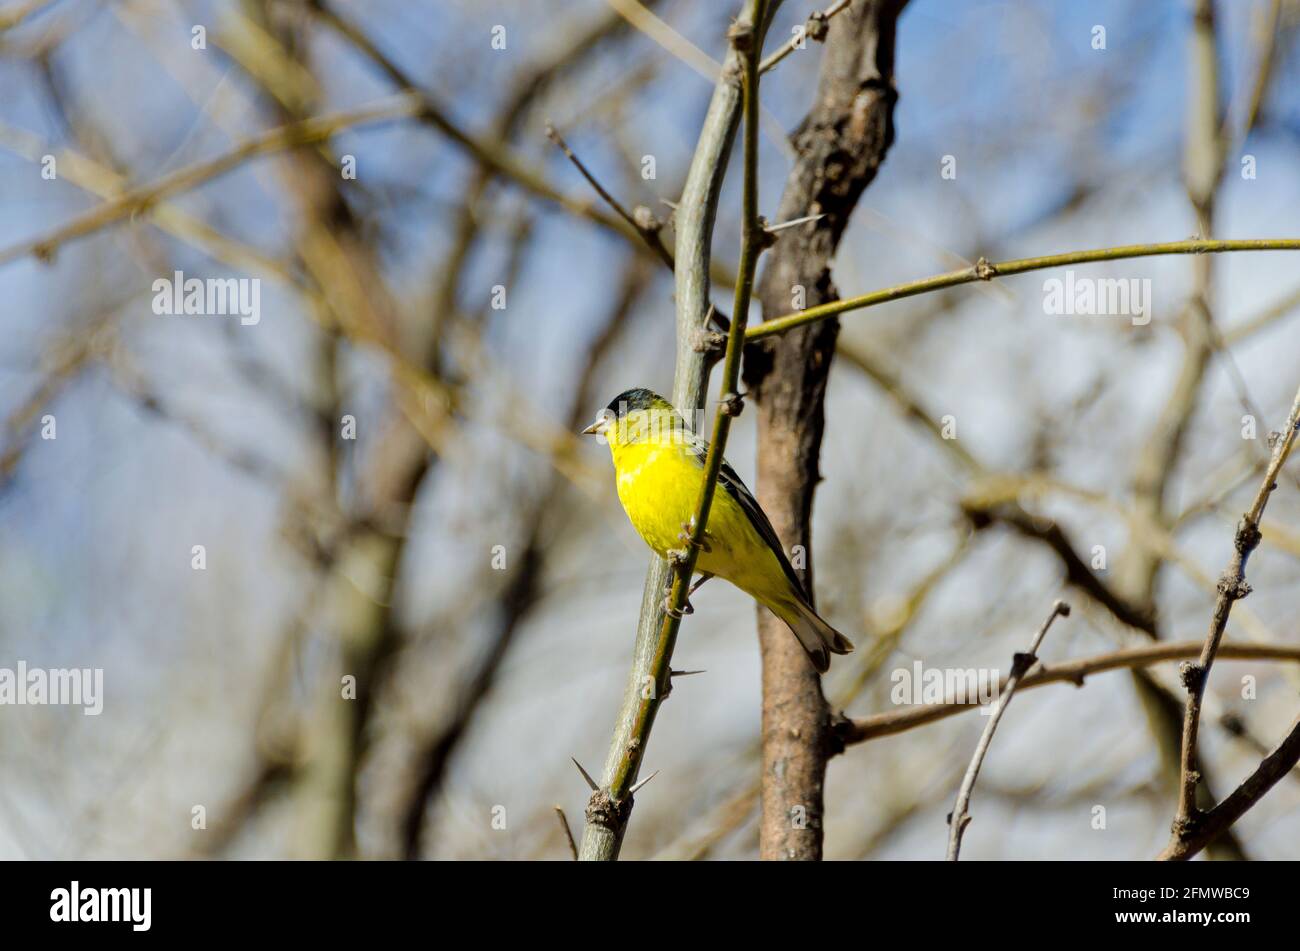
(818, 638)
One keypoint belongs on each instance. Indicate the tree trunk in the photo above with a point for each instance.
(840, 145)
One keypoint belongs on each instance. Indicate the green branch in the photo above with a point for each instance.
(753, 240)
(609, 807)
(982, 270)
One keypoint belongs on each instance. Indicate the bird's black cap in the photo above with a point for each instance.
(635, 399)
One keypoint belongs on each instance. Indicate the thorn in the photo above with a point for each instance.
(585, 775)
(670, 204)
(719, 321)
(685, 673)
(633, 790)
(793, 223)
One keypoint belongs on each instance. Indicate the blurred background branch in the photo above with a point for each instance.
(418, 587)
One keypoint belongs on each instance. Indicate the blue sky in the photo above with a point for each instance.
(96, 528)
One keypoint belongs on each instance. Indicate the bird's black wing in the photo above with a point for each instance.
(731, 484)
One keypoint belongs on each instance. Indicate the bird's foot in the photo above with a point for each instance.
(687, 535)
(704, 576)
(673, 612)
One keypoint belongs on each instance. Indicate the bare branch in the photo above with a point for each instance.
(1232, 587)
(862, 729)
(645, 223)
(814, 29)
(960, 818)
(568, 833)
(1218, 820)
(141, 200)
(983, 270)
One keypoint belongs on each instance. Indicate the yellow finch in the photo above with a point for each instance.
(659, 462)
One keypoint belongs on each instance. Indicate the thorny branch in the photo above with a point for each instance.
(650, 679)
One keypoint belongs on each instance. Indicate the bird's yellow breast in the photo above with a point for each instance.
(659, 485)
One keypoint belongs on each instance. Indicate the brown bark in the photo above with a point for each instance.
(840, 145)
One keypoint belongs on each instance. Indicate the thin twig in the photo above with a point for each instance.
(960, 818)
(1263, 74)
(1076, 672)
(814, 29)
(142, 199)
(104, 182)
(983, 270)
(1232, 588)
(649, 228)
(646, 225)
(668, 38)
(568, 833)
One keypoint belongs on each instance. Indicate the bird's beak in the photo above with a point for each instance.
(592, 429)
